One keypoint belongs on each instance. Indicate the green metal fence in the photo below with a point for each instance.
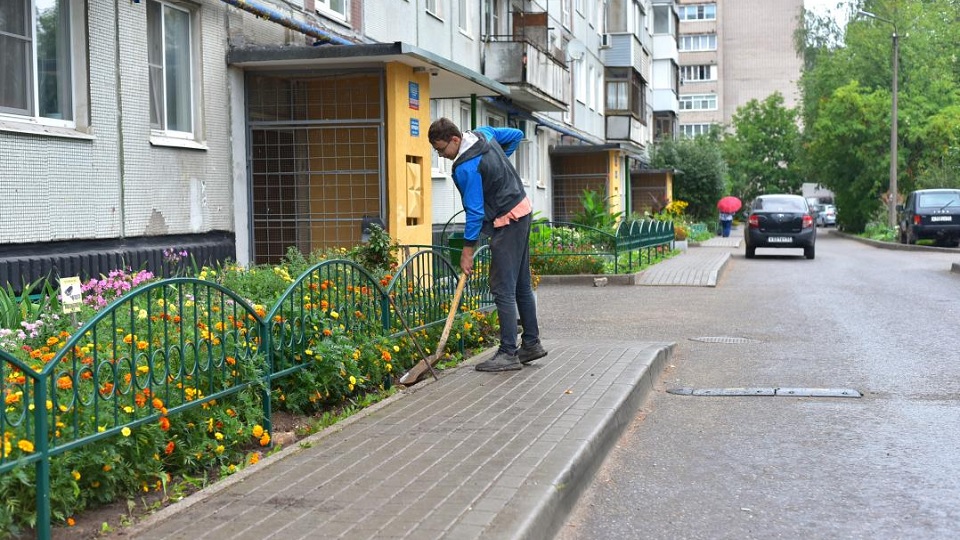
(177, 344)
(586, 250)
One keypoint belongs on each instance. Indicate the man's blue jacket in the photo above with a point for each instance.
(489, 185)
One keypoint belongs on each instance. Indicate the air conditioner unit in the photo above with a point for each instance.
(605, 41)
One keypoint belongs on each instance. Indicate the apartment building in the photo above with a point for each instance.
(237, 129)
(733, 51)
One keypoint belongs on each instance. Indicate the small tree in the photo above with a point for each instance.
(762, 152)
(700, 169)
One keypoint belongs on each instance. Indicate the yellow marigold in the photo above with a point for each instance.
(353, 380)
(218, 436)
(25, 445)
(52, 340)
(125, 431)
(257, 431)
(76, 475)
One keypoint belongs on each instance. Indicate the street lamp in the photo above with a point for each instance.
(893, 124)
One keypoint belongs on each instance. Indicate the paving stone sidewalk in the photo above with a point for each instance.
(472, 455)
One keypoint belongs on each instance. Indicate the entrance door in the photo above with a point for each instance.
(316, 154)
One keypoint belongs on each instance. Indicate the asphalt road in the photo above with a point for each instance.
(886, 465)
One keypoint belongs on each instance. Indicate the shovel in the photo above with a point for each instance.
(417, 371)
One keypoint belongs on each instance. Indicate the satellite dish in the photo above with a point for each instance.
(576, 49)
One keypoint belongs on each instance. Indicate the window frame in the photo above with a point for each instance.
(161, 131)
(631, 87)
(687, 102)
(699, 12)
(322, 7)
(692, 73)
(687, 130)
(687, 42)
(434, 7)
(74, 57)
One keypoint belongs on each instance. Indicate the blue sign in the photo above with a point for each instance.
(414, 127)
(414, 95)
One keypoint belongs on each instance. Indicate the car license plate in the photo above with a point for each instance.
(941, 218)
(780, 240)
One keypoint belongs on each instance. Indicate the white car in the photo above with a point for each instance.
(827, 216)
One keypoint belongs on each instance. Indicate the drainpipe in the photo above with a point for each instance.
(273, 15)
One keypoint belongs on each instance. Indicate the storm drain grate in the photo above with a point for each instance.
(776, 392)
(724, 339)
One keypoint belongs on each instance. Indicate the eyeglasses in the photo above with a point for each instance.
(440, 151)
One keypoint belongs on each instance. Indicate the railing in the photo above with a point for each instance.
(178, 344)
(586, 250)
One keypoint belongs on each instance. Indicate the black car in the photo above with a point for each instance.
(931, 214)
(780, 221)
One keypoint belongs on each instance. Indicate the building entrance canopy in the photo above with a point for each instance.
(449, 80)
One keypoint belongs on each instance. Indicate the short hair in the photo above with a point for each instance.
(443, 130)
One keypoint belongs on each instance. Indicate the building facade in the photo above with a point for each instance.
(239, 129)
(734, 51)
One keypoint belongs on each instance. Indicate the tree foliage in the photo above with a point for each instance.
(847, 113)
(700, 170)
(762, 151)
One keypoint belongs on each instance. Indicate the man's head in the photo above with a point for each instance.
(444, 137)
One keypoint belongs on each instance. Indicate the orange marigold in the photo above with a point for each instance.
(157, 403)
(169, 448)
(65, 383)
(164, 423)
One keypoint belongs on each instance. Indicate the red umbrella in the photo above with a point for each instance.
(729, 205)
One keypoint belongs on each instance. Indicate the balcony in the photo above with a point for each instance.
(537, 80)
(625, 50)
(626, 129)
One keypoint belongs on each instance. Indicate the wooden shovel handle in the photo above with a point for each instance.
(451, 315)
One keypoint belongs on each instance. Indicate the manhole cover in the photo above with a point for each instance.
(724, 339)
(780, 392)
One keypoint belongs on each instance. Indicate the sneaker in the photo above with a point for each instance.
(531, 353)
(500, 362)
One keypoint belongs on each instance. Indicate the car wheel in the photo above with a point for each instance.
(809, 252)
(751, 252)
(911, 238)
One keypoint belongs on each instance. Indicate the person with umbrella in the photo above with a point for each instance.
(727, 207)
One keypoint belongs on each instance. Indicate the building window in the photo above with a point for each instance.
(42, 48)
(338, 9)
(698, 42)
(698, 73)
(462, 12)
(698, 12)
(698, 102)
(663, 20)
(170, 54)
(695, 130)
(626, 93)
(433, 6)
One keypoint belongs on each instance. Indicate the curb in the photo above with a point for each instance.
(579, 471)
(715, 274)
(893, 245)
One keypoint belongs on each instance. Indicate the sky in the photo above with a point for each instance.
(825, 7)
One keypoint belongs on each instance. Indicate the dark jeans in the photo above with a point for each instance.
(726, 224)
(511, 286)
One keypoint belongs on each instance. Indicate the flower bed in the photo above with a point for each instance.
(166, 379)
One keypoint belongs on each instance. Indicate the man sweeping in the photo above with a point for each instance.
(497, 206)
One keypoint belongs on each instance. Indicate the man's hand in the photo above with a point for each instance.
(466, 259)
